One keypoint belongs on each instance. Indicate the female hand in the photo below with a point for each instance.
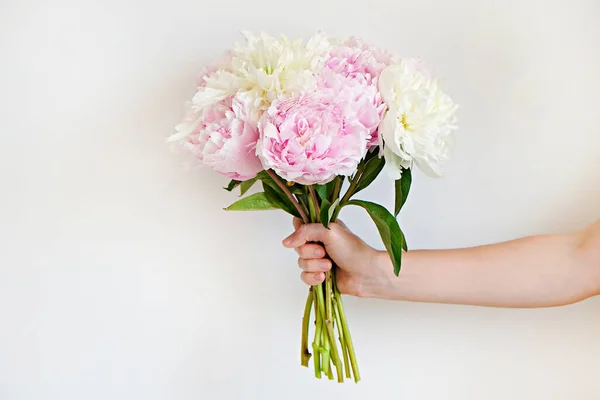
(362, 269)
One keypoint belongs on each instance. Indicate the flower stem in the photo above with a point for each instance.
(329, 324)
(289, 195)
(304, 353)
(317, 361)
(322, 330)
(341, 337)
(317, 341)
(336, 188)
(348, 194)
(315, 201)
(326, 362)
(330, 373)
(347, 337)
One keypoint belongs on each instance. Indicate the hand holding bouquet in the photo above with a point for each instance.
(315, 123)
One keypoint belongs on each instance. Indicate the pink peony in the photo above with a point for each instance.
(361, 65)
(369, 103)
(355, 58)
(311, 138)
(224, 139)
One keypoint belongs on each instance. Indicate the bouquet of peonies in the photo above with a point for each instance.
(315, 122)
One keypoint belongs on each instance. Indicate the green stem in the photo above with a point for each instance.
(336, 188)
(304, 353)
(317, 341)
(323, 336)
(288, 194)
(312, 209)
(347, 337)
(348, 194)
(341, 337)
(329, 324)
(326, 362)
(315, 201)
(330, 373)
(303, 202)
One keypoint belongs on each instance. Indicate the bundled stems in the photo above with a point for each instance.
(329, 312)
(342, 342)
(347, 337)
(326, 301)
(329, 324)
(329, 315)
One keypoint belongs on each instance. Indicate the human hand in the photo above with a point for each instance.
(362, 269)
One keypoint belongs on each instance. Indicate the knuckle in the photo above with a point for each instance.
(301, 229)
(333, 233)
(335, 227)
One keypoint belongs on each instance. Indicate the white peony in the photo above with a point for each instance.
(263, 68)
(419, 121)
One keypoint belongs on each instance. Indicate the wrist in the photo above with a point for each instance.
(378, 280)
(588, 257)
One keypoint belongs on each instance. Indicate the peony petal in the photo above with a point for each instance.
(430, 169)
(387, 131)
(394, 164)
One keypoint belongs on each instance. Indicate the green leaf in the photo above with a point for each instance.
(266, 178)
(296, 189)
(402, 187)
(372, 153)
(279, 200)
(256, 201)
(335, 204)
(232, 185)
(322, 191)
(325, 206)
(325, 191)
(246, 185)
(404, 244)
(372, 169)
(389, 230)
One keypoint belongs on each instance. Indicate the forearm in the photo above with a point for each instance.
(538, 271)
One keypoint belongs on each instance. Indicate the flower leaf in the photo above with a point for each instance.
(266, 178)
(325, 191)
(389, 230)
(332, 208)
(371, 153)
(402, 187)
(246, 185)
(404, 244)
(254, 202)
(232, 185)
(372, 169)
(325, 216)
(279, 200)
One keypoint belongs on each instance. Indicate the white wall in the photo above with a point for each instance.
(121, 278)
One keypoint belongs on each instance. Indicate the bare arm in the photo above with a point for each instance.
(537, 271)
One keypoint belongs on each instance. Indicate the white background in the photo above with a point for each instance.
(122, 278)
